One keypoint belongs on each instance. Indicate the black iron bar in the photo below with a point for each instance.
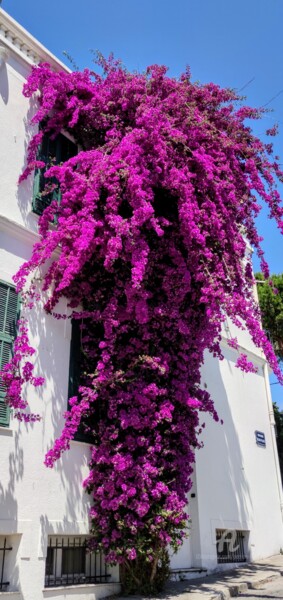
(4, 550)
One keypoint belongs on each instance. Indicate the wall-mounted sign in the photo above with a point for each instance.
(260, 439)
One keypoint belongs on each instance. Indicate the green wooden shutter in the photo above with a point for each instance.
(50, 151)
(9, 309)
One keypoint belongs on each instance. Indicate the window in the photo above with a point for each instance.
(50, 152)
(9, 314)
(69, 562)
(74, 376)
(75, 359)
(5, 548)
(230, 546)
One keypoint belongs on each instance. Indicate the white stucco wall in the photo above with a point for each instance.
(16, 131)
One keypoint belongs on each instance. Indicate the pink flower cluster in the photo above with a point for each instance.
(150, 230)
(245, 365)
(18, 372)
(233, 343)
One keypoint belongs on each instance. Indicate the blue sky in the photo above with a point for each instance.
(236, 44)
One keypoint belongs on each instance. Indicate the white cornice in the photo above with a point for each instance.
(18, 231)
(20, 41)
(22, 233)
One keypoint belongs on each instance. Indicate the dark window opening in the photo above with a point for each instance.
(49, 565)
(51, 152)
(73, 561)
(230, 546)
(75, 370)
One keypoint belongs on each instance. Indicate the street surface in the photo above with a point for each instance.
(271, 590)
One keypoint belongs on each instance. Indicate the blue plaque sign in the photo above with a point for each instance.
(260, 439)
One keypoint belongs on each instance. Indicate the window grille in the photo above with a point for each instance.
(4, 548)
(69, 562)
(230, 546)
(51, 152)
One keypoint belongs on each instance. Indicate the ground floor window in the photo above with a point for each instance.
(5, 548)
(230, 546)
(69, 562)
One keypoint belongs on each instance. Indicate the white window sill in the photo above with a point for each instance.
(8, 432)
(11, 595)
(81, 586)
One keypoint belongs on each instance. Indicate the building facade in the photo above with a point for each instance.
(235, 504)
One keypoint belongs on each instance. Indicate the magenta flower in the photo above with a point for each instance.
(245, 365)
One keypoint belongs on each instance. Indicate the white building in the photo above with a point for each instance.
(237, 484)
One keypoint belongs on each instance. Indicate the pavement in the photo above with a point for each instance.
(224, 585)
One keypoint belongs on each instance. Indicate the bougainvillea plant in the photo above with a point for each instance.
(157, 210)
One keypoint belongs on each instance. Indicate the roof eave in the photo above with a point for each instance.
(18, 39)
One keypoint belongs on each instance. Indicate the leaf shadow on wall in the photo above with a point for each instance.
(66, 498)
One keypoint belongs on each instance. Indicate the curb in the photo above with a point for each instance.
(257, 584)
(232, 591)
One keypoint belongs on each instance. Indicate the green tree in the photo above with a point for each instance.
(278, 415)
(270, 294)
